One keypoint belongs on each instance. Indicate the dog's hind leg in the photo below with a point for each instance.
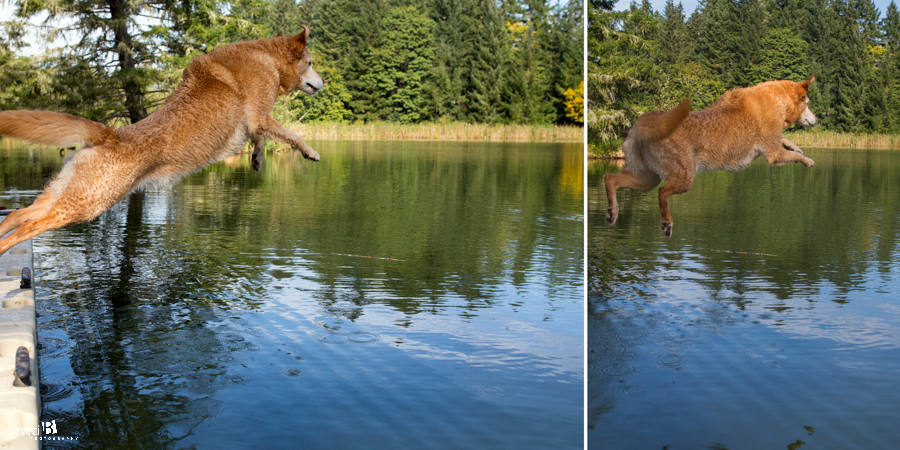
(37, 209)
(643, 181)
(33, 227)
(259, 151)
(672, 187)
(83, 189)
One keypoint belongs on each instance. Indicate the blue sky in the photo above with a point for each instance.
(691, 5)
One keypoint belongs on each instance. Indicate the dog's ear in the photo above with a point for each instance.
(299, 40)
(279, 35)
(805, 84)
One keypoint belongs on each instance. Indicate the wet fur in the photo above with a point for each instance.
(225, 98)
(742, 125)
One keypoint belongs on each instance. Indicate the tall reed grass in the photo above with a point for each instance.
(836, 139)
(383, 131)
(804, 139)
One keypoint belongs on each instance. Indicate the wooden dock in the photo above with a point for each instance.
(20, 399)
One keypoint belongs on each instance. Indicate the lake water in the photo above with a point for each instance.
(793, 343)
(393, 295)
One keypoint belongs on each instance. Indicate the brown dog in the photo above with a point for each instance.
(742, 125)
(225, 98)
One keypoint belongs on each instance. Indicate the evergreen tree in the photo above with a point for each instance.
(107, 33)
(398, 67)
(528, 81)
(890, 80)
(783, 57)
(790, 14)
(620, 68)
(816, 32)
(717, 27)
(675, 43)
(566, 49)
(399, 60)
(485, 72)
(746, 46)
(874, 96)
(850, 50)
(443, 89)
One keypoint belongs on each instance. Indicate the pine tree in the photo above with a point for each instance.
(789, 14)
(443, 89)
(816, 32)
(746, 45)
(397, 68)
(890, 82)
(716, 27)
(850, 50)
(566, 44)
(620, 65)
(675, 43)
(783, 57)
(874, 96)
(485, 73)
(528, 81)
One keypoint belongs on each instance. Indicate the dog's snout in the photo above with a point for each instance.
(808, 119)
(312, 82)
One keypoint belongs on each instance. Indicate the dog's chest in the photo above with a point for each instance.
(731, 159)
(234, 143)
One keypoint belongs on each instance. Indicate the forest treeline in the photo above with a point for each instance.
(407, 61)
(641, 59)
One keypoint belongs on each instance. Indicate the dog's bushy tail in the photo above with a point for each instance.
(655, 126)
(53, 128)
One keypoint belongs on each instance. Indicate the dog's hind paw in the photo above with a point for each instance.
(611, 216)
(667, 228)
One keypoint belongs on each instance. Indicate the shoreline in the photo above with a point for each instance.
(386, 131)
(815, 139)
(836, 139)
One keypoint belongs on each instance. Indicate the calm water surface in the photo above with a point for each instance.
(393, 295)
(692, 345)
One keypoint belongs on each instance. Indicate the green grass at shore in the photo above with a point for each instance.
(605, 150)
(835, 139)
(803, 138)
(385, 131)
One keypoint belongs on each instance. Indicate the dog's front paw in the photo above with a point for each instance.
(612, 215)
(667, 228)
(808, 162)
(309, 154)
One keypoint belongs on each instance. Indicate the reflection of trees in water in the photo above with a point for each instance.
(146, 280)
(463, 218)
(835, 223)
(146, 358)
(833, 228)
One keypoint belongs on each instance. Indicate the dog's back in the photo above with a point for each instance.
(204, 120)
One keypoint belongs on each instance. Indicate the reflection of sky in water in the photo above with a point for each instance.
(692, 344)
